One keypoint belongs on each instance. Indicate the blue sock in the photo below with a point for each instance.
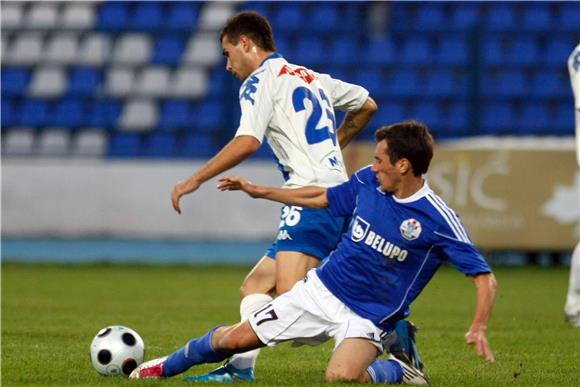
(386, 371)
(196, 351)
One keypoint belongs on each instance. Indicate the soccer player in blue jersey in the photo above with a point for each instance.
(292, 107)
(401, 232)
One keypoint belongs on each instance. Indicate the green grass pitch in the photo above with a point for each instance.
(50, 314)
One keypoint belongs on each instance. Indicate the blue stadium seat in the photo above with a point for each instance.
(431, 15)
(537, 16)
(535, 119)
(509, 83)
(124, 144)
(147, 16)
(403, 83)
(220, 83)
(176, 114)
(8, 115)
(558, 50)
(182, 15)
(372, 80)
(456, 119)
(429, 113)
(104, 113)
(549, 84)
(389, 112)
(441, 83)
(563, 122)
(324, 17)
(209, 116)
(34, 113)
(68, 113)
(310, 51)
(493, 52)
(160, 145)
(14, 81)
(344, 51)
(523, 51)
(416, 51)
(262, 7)
(168, 50)
(464, 14)
(199, 145)
(497, 119)
(568, 15)
(379, 52)
(288, 16)
(113, 16)
(453, 51)
(84, 81)
(501, 16)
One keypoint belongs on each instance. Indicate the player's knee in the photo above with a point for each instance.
(226, 339)
(343, 375)
(283, 286)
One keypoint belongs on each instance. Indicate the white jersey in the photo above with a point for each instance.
(293, 107)
(574, 70)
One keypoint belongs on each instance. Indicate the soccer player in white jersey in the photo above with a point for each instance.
(572, 306)
(400, 234)
(293, 108)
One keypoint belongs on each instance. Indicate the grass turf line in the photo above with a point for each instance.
(50, 314)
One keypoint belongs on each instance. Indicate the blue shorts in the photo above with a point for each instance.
(314, 232)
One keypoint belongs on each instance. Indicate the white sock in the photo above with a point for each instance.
(248, 305)
(573, 299)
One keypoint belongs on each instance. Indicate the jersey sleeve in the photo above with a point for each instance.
(342, 198)
(257, 105)
(344, 96)
(463, 256)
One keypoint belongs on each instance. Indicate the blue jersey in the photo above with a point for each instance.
(392, 248)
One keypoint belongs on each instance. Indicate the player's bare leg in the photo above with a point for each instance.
(350, 361)
(572, 307)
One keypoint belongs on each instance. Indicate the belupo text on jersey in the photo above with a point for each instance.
(361, 231)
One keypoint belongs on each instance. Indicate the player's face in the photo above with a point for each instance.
(237, 58)
(388, 174)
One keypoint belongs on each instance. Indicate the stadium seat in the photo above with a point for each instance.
(33, 113)
(160, 145)
(523, 51)
(113, 16)
(139, 114)
(147, 16)
(42, 14)
(209, 116)
(61, 48)
(214, 14)
(14, 81)
(12, 15)
(8, 113)
(287, 16)
(203, 49)
(568, 15)
(123, 144)
(535, 119)
(309, 51)
(119, 81)
(493, 52)
(168, 50)
(53, 142)
(501, 16)
(104, 113)
(94, 50)
(176, 114)
(416, 51)
(89, 143)
(453, 51)
(431, 16)
(563, 122)
(198, 145)
(403, 83)
(427, 112)
(48, 82)
(18, 142)
(497, 119)
(380, 52)
(464, 14)
(152, 81)
(558, 50)
(441, 83)
(456, 120)
(537, 16)
(343, 52)
(262, 7)
(372, 80)
(324, 17)
(79, 15)
(389, 112)
(182, 15)
(132, 49)
(191, 82)
(68, 113)
(84, 81)
(219, 82)
(25, 49)
(508, 83)
(549, 84)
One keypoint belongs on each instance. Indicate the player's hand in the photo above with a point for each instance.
(478, 339)
(237, 183)
(182, 187)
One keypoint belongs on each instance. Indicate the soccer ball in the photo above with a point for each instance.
(117, 350)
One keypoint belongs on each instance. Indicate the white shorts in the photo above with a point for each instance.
(310, 314)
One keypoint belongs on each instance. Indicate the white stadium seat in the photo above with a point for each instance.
(191, 82)
(42, 14)
(47, 82)
(61, 48)
(152, 81)
(90, 143)
(18, 142)
(119, 81)
(78, 15)
(53, 142)
(94, 49)
(215, 14)
(11, 15)
(26, 49)
(139, 115)
(133, 49)
(203, 49)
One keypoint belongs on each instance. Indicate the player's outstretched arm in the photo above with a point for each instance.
(486, 289)
(231, 155)
(311, 197)
(355, 122)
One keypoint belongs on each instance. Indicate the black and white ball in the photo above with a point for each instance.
(117, 350)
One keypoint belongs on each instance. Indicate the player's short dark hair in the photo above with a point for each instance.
(409, 140)
(254, 26)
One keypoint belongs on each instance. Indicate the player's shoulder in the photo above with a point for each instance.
(365, 176)
(446, 219)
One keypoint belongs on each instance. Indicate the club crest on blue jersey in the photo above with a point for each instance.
(410, 229)
(360, 227)
(250, 87)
